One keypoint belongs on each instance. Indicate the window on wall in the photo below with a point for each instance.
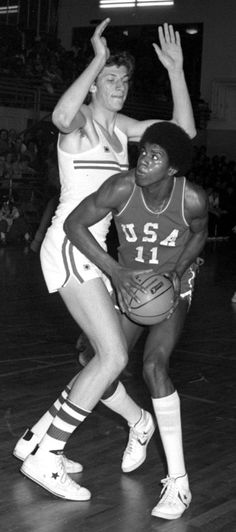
(111, 4)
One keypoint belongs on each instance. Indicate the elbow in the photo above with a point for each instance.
(188, 128)
(192, 133)
(60, 120)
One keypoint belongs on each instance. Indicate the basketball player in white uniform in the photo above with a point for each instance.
(91, 147)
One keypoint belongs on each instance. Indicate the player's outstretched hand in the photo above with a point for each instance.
(126, 284)
(99, 42)
(169, 52)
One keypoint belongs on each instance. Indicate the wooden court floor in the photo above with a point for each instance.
(37, 339)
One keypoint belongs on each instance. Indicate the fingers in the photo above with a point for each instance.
(161, 36)
(101, 27)
(168, 35)
(177, 37)
(157, 49)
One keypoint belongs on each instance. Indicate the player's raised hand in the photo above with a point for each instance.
(170, 51)
(99, 42)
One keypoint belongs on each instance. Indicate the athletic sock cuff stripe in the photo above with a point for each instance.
(77, 409)
(68, 418)
(58, 434)
(53, 411)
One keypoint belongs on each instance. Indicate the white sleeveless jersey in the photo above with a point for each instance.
(80, 174)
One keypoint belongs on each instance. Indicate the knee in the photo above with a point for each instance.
(119, 363)
(112, 361)
(156, 368)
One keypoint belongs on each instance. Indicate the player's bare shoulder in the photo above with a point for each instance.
(82, 136)
(195, 200)
(117, 189)
(123, 182)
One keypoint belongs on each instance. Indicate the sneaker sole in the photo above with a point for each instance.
(166, 516)
(19, 456)
(133, 468)
(27, 474)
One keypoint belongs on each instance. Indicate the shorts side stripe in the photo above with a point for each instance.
(73, 265)
(65, 262)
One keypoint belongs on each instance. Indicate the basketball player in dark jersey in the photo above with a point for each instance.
(161, 219)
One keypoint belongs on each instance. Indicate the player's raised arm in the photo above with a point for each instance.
(169, 52)
(66, 115)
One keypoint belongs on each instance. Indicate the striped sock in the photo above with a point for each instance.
(66, 421)
(40, 428)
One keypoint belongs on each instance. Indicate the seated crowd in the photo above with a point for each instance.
(28, 179)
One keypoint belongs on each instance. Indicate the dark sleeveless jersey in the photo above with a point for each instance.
(152, 240)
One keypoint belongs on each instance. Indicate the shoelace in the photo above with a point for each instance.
(133, 438)
(168, 490)
(64, 477)
(132, 441)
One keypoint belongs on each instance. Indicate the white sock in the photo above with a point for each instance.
(167, 411)
(121, 403)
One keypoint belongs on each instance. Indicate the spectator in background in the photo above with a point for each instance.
(13, 226)
(12, 138)
(22, 168)
(3, 142)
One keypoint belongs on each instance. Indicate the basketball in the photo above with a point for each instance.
(155, 304)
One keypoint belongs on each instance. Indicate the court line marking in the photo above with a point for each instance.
(33, 369)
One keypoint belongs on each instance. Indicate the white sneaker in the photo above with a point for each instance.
(139, 437)
(47, 469)
(174, 499)
(27, 443)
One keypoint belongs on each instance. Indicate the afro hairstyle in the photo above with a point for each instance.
(174, 141)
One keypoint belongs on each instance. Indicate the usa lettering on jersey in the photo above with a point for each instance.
(150, 232)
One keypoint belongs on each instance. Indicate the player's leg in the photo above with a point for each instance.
(86, 303)
(32, 436)
(161, 340)
(140, 422)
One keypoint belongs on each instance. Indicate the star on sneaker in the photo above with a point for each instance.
(47, 469)
(175, 498)
(27, 443)
(139, 437)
